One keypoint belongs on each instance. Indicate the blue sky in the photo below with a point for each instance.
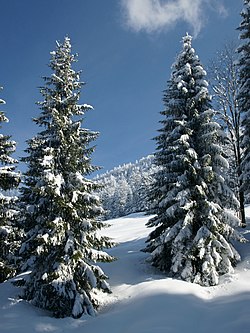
(126, 49)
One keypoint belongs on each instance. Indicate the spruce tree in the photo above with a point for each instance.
(194, 222)
(244, 92)
(61, 213)
(9, 179)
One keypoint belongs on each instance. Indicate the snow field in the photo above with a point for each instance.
(143, 299)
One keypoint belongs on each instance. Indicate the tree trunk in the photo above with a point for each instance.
(242, 209)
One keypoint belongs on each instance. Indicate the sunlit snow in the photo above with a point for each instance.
(143, 299)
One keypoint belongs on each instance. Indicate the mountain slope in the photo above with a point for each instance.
(124, 189)
(144, 300)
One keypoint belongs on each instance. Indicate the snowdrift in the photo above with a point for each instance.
(143, 299)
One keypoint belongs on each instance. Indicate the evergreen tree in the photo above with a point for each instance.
(194, 222)
(244, 92)
(9, 179)
(61, 213)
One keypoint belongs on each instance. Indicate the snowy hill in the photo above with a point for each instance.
(126, 187)
(144, 300)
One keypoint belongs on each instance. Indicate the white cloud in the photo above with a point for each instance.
(156, 15)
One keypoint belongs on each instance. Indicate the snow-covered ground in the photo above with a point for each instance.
(144, 300)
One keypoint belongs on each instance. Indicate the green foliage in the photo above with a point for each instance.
(9, 180)
(193, 223)
(243, 95)
(61, 213)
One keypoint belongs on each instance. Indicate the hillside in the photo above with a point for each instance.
(144, 300)
(125, 188)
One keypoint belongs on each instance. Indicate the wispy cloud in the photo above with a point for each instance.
(156, 15)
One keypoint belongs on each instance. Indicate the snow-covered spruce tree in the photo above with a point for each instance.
(61, 213)
(194, 221)
(244, 93)
(9, 179)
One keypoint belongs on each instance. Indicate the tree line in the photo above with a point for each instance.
(51, 228)
(125, 189)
